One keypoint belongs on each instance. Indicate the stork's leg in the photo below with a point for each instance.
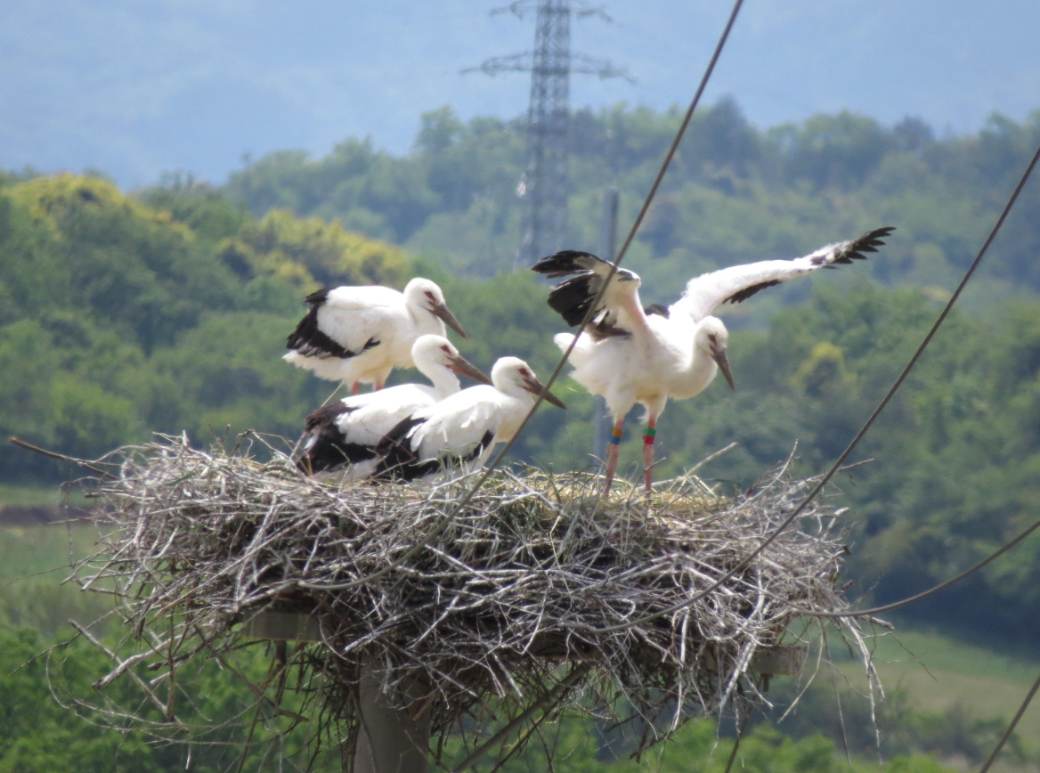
(357, 385)
(612, 455)
(648, 452)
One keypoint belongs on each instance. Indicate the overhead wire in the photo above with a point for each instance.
(442, 523)
(490, 468)
(837, 465)
(935, 588)
(823, 480)
(1011, 727)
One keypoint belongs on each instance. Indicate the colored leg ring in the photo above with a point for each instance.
(648, 436)
(615, 436)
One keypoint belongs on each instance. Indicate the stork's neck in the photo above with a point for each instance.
(444, 380)
(633, 309)
(421, 317)
(425, 321)
(699, 372)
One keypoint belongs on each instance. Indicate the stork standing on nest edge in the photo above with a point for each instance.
(632, 355)
(360, 334)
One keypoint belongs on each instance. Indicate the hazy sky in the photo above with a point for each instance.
(135, 88)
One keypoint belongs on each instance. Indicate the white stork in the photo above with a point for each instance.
(458, 433)
(635, 355)
(341, 437)
(360, 334)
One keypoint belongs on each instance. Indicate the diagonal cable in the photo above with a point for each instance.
(621, 254)
(863, 430)
(1011, 727)
(935, 588)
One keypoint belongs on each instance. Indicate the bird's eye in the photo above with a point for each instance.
(446, 350)
(713, 340)
(430, 295)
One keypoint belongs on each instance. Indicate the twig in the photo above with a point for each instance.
(61, 457)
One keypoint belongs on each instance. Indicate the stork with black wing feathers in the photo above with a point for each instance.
(359, 334)
(634, 355)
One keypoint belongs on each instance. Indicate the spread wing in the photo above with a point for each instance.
(738, 283)
(573, 297)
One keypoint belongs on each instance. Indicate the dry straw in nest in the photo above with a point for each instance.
(534, 584)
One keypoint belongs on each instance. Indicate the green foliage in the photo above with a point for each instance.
(209, 215)
(168, 312)
(47, 723)
(733, 194)
(126, 266)
(695, 748)
(51, 719)
(310, 252)
(119, 318)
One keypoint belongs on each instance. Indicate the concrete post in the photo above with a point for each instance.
(390, 739)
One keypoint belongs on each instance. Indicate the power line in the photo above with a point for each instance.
(935, 588)
(1011, 727)
(613, 268)
(866, 426)
(543, 187)
(859, 435)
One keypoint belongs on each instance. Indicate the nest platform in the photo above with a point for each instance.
(535, 593)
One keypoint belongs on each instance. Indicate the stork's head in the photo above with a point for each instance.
(512, 373)
(426, 295)
(713, 338)
(431, 351)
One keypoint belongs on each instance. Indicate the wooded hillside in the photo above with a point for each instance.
(167, 310)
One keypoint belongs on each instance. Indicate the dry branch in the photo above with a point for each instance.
(486, 607)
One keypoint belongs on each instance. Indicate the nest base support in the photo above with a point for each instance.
(390, 739)
(775, 660)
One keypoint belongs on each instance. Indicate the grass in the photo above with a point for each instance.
(27, 551)
(939, 672)
(37, 496)
(33, 563)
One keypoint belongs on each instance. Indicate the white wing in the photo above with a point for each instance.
(458, 425)
(738, 283)
(371, 415)
(358, 318)
(456, 432)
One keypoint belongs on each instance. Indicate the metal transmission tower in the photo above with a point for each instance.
(543, 186)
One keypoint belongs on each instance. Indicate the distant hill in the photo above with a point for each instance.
(136, 90)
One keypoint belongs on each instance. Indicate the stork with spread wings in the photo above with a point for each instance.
(631, 354)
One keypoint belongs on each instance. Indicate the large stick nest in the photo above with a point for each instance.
(484, 605)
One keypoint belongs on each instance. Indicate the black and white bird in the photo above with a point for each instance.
(341, 438)
(359, 334)
(634, 355)
(457, 434)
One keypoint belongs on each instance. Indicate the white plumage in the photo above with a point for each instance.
(359, 334)
(341, 437)
(457, 434)
(634, 355)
